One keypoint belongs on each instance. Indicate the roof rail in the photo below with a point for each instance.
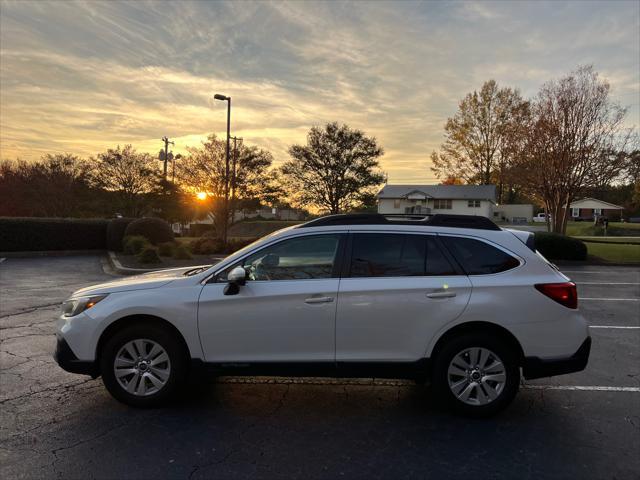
(435, 220)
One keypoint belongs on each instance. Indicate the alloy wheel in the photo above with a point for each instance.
(142, 367)
(476, 376)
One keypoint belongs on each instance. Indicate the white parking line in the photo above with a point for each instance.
(615, 326)
(593, 271)
(611, 299)
(588, 388)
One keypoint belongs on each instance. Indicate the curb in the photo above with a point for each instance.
(117, 267)
(122, 270)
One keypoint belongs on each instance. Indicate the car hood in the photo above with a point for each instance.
(136, 282)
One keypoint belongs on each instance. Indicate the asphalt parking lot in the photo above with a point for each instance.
(59, 425)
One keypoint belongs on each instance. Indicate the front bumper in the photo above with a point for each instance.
(65, 357)
(535, 367)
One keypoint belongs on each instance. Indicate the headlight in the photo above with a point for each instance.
(74, 306)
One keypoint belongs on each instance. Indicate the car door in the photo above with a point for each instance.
(286, 310)
(398, 291)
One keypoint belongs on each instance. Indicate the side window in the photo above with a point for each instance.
(397, 255)
(300, 258)
(387, 255)
(479, 258)
(437, 263)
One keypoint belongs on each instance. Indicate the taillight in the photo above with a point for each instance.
(564, 293)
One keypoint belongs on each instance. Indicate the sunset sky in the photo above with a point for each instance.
(80, 77)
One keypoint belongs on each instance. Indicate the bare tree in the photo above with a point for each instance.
(334, 170)
(131, 175)
(575, 130)
(480, 139)
(203, 170)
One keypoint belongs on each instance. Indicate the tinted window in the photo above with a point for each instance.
(298, 258)
(437, 263)
(479, 258)
(397, 255)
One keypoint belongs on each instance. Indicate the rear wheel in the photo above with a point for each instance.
(476, 374)
(144, 365)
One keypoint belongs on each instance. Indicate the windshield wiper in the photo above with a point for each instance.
(195, 271)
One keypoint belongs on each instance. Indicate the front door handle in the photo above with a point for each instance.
(441, 294)
(312, 300)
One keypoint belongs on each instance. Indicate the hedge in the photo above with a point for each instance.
(155, 230)
(115, 233)
(559, 247)
(18, 234)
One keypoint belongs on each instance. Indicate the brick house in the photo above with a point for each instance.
(589, 208)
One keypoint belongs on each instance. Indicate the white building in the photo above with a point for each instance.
(423, 199)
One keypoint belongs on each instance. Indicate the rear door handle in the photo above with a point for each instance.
(312, 300)
(441, 294)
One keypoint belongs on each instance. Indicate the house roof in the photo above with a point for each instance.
(594, 203)
(453, 192)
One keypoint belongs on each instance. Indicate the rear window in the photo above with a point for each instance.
(479, 258)
(397, 255)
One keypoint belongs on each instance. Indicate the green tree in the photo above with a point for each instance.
(334, 170)
(132, 176)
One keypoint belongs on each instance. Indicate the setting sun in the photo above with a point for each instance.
(202, 195)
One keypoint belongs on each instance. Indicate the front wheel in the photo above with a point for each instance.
(143, 365)
(476, 374)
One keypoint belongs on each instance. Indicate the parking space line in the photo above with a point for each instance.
(594, 271)
(615, 326)
(583, 388)
(611, 299)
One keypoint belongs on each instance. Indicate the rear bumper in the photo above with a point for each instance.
(535, 367)
(65, 357)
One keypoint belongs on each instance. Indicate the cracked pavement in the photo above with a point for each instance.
(58, 425)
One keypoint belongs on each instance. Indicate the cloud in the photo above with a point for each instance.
(84, 76)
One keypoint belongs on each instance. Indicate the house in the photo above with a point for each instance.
(590, 208)
(513, 213)
(424, 199)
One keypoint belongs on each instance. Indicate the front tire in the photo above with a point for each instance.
(144, 365)
(476, 374)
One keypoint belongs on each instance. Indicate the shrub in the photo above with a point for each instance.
(181, 252)
(115, 233)
(235, 245)
(199, 229)
(206, 246)
(31, 234)
(149, 255)
(155, 230)
(559, 247)
(134, 244)
(166, 249)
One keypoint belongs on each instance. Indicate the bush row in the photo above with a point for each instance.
(559, 247)
(33, 234)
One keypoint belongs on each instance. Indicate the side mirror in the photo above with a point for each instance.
(236, 278)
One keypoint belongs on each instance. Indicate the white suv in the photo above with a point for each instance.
(449, 299)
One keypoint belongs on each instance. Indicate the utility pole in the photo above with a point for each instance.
(166, 154)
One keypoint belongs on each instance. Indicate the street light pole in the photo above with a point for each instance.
(218, 96)
(233, 174)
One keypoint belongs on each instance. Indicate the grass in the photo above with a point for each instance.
(616, 229)
(631, 240)
(614, 252)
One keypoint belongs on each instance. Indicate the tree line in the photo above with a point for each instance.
(567, 141)
(336, 171)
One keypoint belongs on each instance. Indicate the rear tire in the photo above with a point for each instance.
(476, 374)
(144, 365)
